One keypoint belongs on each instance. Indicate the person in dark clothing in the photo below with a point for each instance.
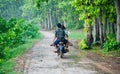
(66, 35)
(66, 38)
(59, 36)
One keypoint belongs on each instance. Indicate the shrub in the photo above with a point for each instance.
(111, 43)
(3, 25)
(14, 33)
(32, 31)
(82, 44)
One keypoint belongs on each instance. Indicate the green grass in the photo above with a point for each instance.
(7, 67)
(80, 34)
(22, 48)
(77, 34)
(98, 50)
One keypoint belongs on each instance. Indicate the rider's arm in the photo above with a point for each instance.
(67, 37)
(66, 34)
(55, 36)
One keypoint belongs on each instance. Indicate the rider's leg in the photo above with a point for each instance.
(52, 44)
(69, 43)
(56, 43)
(66, 44)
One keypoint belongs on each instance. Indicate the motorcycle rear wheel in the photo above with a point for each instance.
(61, 54)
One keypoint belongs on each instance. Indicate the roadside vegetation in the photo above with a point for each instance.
(79, 35)
(8, 66)
(18, 33)
(76, 34)
(20, 21)
(16, 37)
(99, 19)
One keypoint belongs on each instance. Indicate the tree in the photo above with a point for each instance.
(99, 13)
(10, 8)
(117, 5)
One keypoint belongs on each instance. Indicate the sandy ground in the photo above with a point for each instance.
(42, 60)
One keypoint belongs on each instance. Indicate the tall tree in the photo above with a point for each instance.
(117, 5)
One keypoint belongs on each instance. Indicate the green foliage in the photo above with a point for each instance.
(82, 44)
(38, 2)
(89, 10)
(111, 44)
(10, 8)
(75, 25)
(14, 33)
(2, 25)
(8, 66)
(98, 50)
(60, 11)
(32, 31)
(11, 23)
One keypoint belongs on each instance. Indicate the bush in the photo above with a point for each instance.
(111, 43)
(14, 33)
(82, 44)
(32, 31)
(3, 25)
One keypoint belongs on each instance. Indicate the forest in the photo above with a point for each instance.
(100, 20)
(21, 20)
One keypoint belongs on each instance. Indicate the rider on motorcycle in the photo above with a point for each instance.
(60, 36)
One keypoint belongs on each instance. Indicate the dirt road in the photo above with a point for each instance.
(42, 60)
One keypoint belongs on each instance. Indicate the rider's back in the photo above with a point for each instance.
(60, 34)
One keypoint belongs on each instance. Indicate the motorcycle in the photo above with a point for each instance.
(61, 49)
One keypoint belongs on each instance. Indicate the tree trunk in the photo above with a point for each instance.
(42, 24)
(45, 23)
(48, 22)
(109, 28)
(54, 21)
(105, 25)
(56, 17)
(51, 20)
(64, 23)
(96, 30)
(117, 5)
(59, 16)
(89, 36)
(101, 27)
(113, 28)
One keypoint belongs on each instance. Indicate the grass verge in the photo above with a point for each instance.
(8, 66)
(80, 34)
(77, 34)
(98, 50)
